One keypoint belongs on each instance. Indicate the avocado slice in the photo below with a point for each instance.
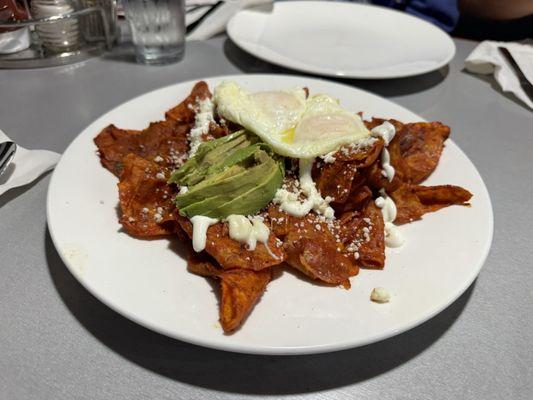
(218, 191)
(252, 201)
(248, 199)
(208, 155)
(218, 177)
(214, 185)
(240, 155)
(236, 174)
(212, 159)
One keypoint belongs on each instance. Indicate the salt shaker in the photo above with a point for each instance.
(61, 36)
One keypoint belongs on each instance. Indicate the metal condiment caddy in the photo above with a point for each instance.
(95, 19)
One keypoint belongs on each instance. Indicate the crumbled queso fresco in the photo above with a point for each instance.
(357, 146)
(380, 295)
(203, 119)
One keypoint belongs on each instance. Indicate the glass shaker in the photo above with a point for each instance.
(61, 36)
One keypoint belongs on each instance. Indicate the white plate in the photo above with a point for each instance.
(147, 281)
(342, 39)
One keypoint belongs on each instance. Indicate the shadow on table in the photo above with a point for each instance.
(240, 373)
(489, 79)
(15, 192)
(123, 52)
(383, 87)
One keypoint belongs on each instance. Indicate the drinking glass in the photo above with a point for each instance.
(157, 29)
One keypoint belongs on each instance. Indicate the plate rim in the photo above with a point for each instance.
(270, 350)
(319, 71)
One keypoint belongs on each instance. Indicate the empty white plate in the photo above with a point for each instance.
(342, 39)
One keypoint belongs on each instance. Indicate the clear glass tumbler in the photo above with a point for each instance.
(157, 29)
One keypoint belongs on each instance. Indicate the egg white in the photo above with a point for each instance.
(292, 124)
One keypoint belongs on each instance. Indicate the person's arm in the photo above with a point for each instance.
(497, 9)
(443, 13)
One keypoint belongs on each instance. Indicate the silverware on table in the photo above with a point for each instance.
(524, 83)
(7, 151)
(196, 23)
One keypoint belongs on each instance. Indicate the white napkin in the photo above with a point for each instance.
(216, 21)
(13, 41)
(486, 59)
(26, 166)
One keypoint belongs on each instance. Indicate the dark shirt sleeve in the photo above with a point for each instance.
(443, 13)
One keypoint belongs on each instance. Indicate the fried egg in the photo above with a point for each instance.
(292, 124)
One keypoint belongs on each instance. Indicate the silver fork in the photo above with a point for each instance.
(7, 151)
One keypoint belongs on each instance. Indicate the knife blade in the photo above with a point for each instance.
(524, 82)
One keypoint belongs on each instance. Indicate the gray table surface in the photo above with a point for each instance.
(59, 342)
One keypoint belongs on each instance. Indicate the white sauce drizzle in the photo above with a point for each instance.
(388, 170)
(386, 131)
(202, 120)
(290, 201)
(200, 224)
(249, 232)
(183, 189)
(393, 237)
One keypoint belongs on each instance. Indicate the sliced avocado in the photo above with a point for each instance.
(238, 156)
(235, 174)
(192, 163)
(217, 178)
(213, 196)
(212, 186)
(208, 154)
(245, 203)
(221, 188)
(214, 158)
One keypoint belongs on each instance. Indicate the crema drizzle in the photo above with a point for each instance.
(393, 237)
(385, 131)
(289, 201)
(200, 224)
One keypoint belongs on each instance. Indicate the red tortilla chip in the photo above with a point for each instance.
(356, 201)
(416, 149)
(184, 112)
(313, 250)
(376, 180)
(342, 178)
(145, 199)
(278, 220)
(335, 180)
(113, 144)
(164, 141)
(413, 201)
(420, 146)
(362, 233)
(372, 251)
(362, 156)
(231, 254)
(240, 289)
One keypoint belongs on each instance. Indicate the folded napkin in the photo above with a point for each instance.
(206, 18)
(486, 59)
(26, 166)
